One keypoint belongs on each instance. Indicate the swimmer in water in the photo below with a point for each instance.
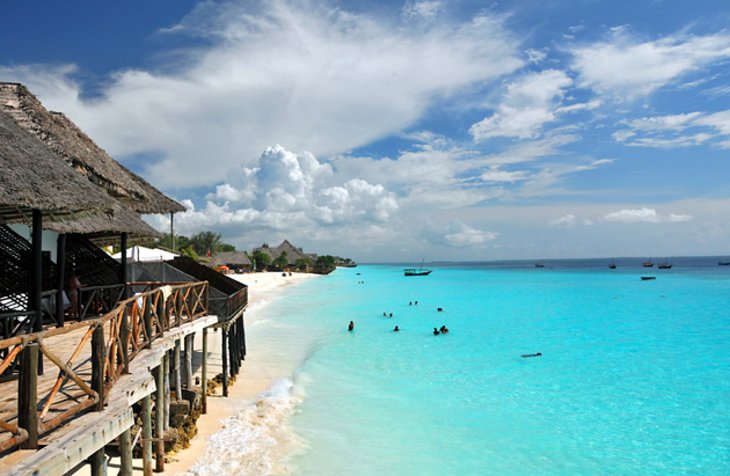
(396, 329)
(531, 355)
(436, 331)
(351, 326)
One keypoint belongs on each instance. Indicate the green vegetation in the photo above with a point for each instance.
(260, 260)
(281, 262)
(195, 246)
(303, 264)
(324, 265)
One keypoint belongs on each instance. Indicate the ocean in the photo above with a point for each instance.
(633, 376)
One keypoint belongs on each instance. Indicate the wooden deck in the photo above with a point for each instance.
(93, 372)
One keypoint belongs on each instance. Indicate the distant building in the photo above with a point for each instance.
(235, 260)
(293, 254)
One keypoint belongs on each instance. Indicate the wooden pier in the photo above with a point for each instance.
(93, 372)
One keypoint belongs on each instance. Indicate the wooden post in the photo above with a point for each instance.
(176, 370)
(224, 354)
(61, 269)
(123, 271)
(37, 271)
(243, 335)
(124, 336)
(189, 344)
(125, 450)
(205, 370)
(235, 363)
(97, 462)
(166, 376)
(148, 320)
(172, 231)
(97, 365)
(161, 306)
(241, 341)
(28, 395)
(147, 436)
(159, 417)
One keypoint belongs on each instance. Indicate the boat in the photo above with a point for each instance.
(648, 278)
(665, 265)
(723, 263)
(648, 264)
(612, 265)
(540, 265)
(416, 271)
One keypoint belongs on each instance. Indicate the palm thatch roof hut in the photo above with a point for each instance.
(64, 138)
(33, 178)
(234, 259)
(293, 254)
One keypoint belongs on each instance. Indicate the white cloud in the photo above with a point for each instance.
(423, 9)
(720, 121)
(568, 221)
(673, 130)
(461, 235)
(289, 191)
(496, 175)
(644, 215)
(528, 104)
(308, 76)
(629, 68)
(535, 55)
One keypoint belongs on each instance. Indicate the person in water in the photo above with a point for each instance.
(531, 355)
(396, 329)
(390, 315)
(436, 331)
(351, 326)
(444, 329)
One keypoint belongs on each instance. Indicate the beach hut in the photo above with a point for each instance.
(237, 261)
(293, 254)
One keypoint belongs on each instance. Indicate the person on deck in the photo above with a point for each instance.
(73, 292)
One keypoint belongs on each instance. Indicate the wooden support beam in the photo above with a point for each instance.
(36, 277)
(205, 370)
(28, 395)
(147, 435)
(224, 354)
(147, 316)
(161, 309)
(243, 335)
(124, 337)
(125, 450)
(166, 376)
(97, 365)
(60, 282)
(97, 462)
(176, 370)
(188, 368)
(123, 272)
(159, 417)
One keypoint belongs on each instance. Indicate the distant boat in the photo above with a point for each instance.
(723, 263)
(647, 264)
(539, 265)
(416, 271)
(648, 278)
(612, 265)
(665, 265)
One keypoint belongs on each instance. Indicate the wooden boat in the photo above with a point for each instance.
(416, 271)
(539, 265)
(647, 264)
(612, 265)
(723, 263)
(665, 265)
(648, 278)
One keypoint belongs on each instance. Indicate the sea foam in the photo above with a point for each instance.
(257, 440)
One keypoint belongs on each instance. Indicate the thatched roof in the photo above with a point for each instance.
(292, 252)
(32, 177)
(64, 138)
(236, 258)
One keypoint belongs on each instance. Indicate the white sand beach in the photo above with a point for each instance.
(258, 372)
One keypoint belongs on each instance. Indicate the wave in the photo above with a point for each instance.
(257, 440)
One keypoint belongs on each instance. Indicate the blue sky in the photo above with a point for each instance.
(395, 131)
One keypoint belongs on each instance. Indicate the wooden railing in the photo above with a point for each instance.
(110, 342)
(98, 300)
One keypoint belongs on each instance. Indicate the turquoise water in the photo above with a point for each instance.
(634, 376)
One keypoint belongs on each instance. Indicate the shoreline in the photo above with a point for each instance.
(257, 374)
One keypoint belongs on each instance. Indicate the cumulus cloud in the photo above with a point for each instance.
(461, 236)
(629, 68)
(529, 103)
(644, 215)
(310, 76)
(289, 191)
(568, 221)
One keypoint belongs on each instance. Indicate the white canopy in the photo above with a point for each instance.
(140, 253)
